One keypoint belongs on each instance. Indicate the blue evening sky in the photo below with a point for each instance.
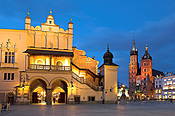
(98, 22)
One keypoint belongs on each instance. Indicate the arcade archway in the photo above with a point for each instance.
(59, 92)
(38, 91)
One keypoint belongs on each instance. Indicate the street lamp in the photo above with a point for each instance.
(23, 86)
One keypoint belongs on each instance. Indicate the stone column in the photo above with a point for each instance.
(50, 62)
(48, 96)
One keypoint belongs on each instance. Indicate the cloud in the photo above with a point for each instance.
(159, 36)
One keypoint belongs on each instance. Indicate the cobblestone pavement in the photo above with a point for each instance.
(92, 110)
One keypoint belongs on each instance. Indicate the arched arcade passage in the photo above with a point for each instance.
(42, 92)
(59, 91)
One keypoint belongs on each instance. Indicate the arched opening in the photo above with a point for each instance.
(59, 63)
(39, 95)
(39, 61)
(59, 92)
(38, 91)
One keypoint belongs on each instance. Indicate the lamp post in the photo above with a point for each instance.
(23, 86)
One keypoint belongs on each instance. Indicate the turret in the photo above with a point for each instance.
(50, 19)
(146, 55)
(70, 26)
(28, 21)
(108, 57)
(110, 72)
(146, 64)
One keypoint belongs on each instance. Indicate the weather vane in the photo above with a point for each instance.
(70, 19)
(50, 11)
(28, 12)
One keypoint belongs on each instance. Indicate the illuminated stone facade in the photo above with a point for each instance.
(165, 87)
(39, 65)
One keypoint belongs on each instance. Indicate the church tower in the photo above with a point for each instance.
(109, 70)
(28, 21)
(146, 65)
(133, 68)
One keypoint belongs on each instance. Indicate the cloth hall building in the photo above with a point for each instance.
(40, 65)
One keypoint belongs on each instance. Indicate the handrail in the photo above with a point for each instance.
(85, 81)
(49, 67)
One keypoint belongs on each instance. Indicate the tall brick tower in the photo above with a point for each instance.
(146, 74)
(146, 65)
(133, 68)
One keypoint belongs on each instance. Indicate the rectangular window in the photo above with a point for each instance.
(9, 57)
(5, 76)
(9, 76)
(6, 57)
(13, 75)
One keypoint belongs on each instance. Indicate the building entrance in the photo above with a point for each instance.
(38, 91)
(59, 92)
(39, 95)
(58, 95)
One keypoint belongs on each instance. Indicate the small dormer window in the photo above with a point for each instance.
(50, 22)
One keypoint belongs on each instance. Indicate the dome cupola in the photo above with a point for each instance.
(108, 57)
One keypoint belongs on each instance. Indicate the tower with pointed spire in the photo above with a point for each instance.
(141, 79)
(133, 67)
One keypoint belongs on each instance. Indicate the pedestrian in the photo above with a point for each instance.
(54, 100)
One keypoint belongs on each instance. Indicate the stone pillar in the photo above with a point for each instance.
(50, 62)
(48, 96)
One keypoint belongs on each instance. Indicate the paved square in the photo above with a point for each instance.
(148, 109)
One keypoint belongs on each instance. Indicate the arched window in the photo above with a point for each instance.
(39, 62)
(59, 63)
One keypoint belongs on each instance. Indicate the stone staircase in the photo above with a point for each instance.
(87, 82)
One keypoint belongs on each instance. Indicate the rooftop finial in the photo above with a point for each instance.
(28, 12)
(50, 12)
(133, 45)
(70, 19)
(107, 47)
(146, 48)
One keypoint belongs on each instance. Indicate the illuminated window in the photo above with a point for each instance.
(39, 62)
(156, 91)
(173, 97)
(169, 92)
(59, 63)
(9, 57)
